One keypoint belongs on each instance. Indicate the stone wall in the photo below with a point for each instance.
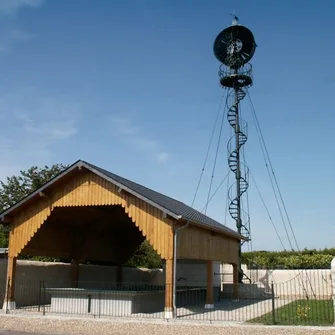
(293, 283)
(30, 274)
(194, 273)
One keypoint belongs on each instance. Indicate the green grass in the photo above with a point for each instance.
(301, 312)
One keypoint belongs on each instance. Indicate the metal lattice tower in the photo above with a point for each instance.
(234, 47)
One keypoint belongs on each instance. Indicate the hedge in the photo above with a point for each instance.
(305, 259)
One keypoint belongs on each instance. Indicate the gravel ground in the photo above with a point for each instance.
(67, 326)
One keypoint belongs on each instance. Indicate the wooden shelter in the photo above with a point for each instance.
(87, 213)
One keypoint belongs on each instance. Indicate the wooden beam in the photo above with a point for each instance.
(6, 219)
(235, 282)
(232, 235)
(169, 312)
(9, 302)
(46, 253)
(43, 195)
(209, 292)
(86, 189)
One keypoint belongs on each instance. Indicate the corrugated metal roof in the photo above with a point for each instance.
(177, 207)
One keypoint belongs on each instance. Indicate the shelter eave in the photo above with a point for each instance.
(79, 165)
(130, 191)
(39, 192)
(221, 231)
(5, 217)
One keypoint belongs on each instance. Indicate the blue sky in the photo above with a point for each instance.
(132, 86)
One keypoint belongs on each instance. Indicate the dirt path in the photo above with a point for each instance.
(17, 325)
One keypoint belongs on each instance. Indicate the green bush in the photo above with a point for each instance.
(305, 259)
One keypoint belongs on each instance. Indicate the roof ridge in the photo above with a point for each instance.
(148, 188)
(166, 196)
(175, 208)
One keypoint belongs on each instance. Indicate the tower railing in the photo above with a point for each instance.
(245, 70)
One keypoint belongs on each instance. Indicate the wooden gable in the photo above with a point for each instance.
(88, 189)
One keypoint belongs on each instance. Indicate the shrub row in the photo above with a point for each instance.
(305, 259)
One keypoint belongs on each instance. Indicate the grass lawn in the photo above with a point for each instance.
(301, 312)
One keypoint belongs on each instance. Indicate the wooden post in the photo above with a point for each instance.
(209, 294)
(235, 282)
(9, 302)
(168, 289)
(75, 273)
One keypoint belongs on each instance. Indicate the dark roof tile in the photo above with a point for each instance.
(170, 204)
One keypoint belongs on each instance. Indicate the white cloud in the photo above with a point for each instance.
(124, 127)
(12, 6)
(10, 34)
(35, 125)
(163, 157)
(9, 38)
(52, 128)
(137, 138)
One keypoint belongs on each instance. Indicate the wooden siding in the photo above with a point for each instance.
(197, 243)
(26, 224)
(88, 189)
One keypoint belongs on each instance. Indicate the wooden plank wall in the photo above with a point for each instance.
(25, 224)
(197, 243)
(88, 189)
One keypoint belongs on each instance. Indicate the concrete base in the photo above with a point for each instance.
(104, 302)
(168, 313)
(10, 305)
(209, 306)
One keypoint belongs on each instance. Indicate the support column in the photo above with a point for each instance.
(9, 302)
(168, 310)
(75, 273)
(235, 281)
(209, 294)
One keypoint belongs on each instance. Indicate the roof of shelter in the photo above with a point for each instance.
(172, 207)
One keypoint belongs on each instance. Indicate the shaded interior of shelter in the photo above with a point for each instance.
(103, 235)
(98, 234)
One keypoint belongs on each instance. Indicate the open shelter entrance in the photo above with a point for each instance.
(89, 214)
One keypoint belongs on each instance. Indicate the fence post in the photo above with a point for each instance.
(333, 282)
(39, 295)
(44, 298)
(273, 303)
(99, 302)
(7, 294)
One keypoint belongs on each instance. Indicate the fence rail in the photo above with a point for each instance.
(302, 300)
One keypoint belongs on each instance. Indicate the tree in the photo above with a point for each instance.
(145, 257)
(15, 188)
